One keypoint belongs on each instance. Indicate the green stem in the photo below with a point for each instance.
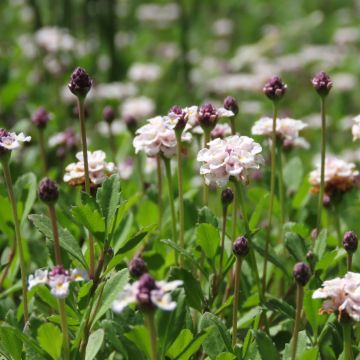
(8, 181)
(322, 174)
(54, 226)
(140, 171)
(272, 196)
(159, 182)
(232, 124)
(299, 305)
(171, 200)
(42, 150)
(236, 300)
(112, 143)
(181, 195)
(235, 213)
(64, 328)
(149, 320)
(346, 325)
(281, 192)
(349, 261)
(207, 133)
(81, 110)
(222, 245)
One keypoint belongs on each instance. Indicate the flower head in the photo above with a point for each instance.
(322, 83)
(40, 118)
(155, 137)
(99, 169)
(342, 295)
(220, 131)
(350, 241)
(302, 273)
(231, 104)
(148, 294)
(208, 115)
(177, 118)
(275, 89)
(108, 114)
(356, 128)
(58, 279)
(137, 266)
(10, 141)
(80, 82)
(48, 190)
(241, 246)
(233, 156)
(227, 197)
(340, 176)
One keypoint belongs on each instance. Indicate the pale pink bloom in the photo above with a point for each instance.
(356, 128)
(12, 141)
(126, 168)
(232, 156)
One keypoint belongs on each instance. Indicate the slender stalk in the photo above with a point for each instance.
(159, 182)
(181, 194)
(349, 261)
(337, 224)
(207, 133)
(299, 305)
(322, 173)
(64, 328)
(54, 226)
(346, 325)
(281, 192)
(235, 213)
(112, 143)
(272, 195)
(7, 267)
(236, 300)
(139, 164)
(81, 110)
(223, 232)
(42, 150)
(232, 124)
(149, 320)
(171, 200)
(8, 181)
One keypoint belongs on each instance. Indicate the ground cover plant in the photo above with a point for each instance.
(179, 184)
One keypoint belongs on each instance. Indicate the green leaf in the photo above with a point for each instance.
(139, 335)
(311, 309)
(218, 340)
(301, 346)
(94, 344)
(320, 244)
(208, 237)
(256, 215)
(281, 306)
(67, 241)
(293, 173)
(111, 290)
(194, 345)
(50, 339)
(206, 216)
(296, 246)
(226, 356)
(108, 199)
(265, 345)
(10, 344)
(310, 354)
(25, 191)
(194, 294)
(183, 340)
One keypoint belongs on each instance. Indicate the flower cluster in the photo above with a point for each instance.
(233, 156)
(340, 176)
(148, 294)
(342, 296)
(58, 279)
(156, 137)
(99, 169)
(10, 141)
(65, 142)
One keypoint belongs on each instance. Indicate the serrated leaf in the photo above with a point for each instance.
(50, 339)
(265, 345)
(208, 237)
(206, 216)
(10, 344)
(320, 244)
(67, 241)
(108, 199)
(94, 344)
(296, 246)
(281, 306)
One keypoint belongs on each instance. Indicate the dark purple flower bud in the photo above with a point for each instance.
(231, 104)
(40, 118)
(241, 246)
(108, 114)
(58, 270)
(131, 123)
(322, 83)
(227, 197)
(48, 191)
(180, 115)
(208, 116)
(146, 285)
(80, 82)
(350, 242)
(275, 89)
(302, 273)
(137, 266)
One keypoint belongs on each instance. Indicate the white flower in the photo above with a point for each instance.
(126, 168)
(286, 128)
(78, 275)
(339, 175)
(342, 295)
(11, 141)
(221, 131)
(155, 137)
(54, 39)
(356, 128)
(232, 156)
(59, 286)
(99, 169)
(39, 277)
(144, 72)
(139, 107)
(147, 293)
